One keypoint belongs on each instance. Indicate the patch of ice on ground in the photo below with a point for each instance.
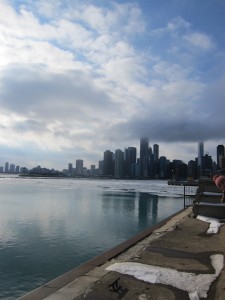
(214, 224)
(197, 286)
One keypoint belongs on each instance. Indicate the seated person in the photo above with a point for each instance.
(220, 183)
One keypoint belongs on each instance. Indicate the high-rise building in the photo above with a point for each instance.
(200, 152)
(130, 157)
(132, 160)
(92, 170)
(192, 169)
(220, 155)
(156, 167)
(100, 167)
(162, 167)
(119, 163)
(70, 169)
(207, 165)
(79, 167)
(6, 167)
(144, 157)
(156, 152)
(12, 168)
(200, 155)
(108, 163)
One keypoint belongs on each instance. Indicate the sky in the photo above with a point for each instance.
(78, 77)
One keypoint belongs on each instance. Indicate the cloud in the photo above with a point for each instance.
(174, 27)
(50, 95)
(199, 40)
(77, 75)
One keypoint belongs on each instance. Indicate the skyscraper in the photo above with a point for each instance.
(144, 157)
(200, 152)
(130, 157)
(79, 167)
(220, 155)
(119, 162)
(200, 155)
(6, 167)
(108, 163)
(156, 152)
(70, 169)
(12, 168)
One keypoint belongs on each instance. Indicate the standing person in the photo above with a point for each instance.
(220, 183)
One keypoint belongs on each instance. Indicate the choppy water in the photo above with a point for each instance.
(49, 226)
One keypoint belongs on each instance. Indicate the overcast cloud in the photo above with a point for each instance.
(79, 77)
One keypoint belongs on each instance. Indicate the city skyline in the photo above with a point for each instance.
(79, 77)
(135, 153)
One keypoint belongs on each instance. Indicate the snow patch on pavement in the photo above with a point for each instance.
(197, 286)
(214, 225)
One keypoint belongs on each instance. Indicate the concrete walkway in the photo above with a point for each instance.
(174, 262)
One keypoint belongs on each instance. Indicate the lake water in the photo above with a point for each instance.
(49, 226)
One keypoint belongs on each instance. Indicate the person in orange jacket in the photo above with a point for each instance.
(220, 183)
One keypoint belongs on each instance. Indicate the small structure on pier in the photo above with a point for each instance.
(189, 190)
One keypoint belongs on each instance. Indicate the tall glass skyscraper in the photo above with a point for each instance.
(130, 157)
(200, 157)
(119, 163)
(144, 157)
(79, 167)
(108, 163)
(200, 153)
(156, 152)
(220, 155)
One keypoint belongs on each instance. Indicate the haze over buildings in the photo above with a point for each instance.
(79, 77)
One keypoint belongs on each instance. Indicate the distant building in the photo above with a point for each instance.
(70, 169)
(23, 170)
(79, 167)
(17, 170)
(144, 157)
(156, 161)
(92, 170)
(100, 167)
(130, 157)
(1, 169)
(119, 163)
(192, 169)
(108, 168)
(200, 152)
(6, 167)
(207, 165)
(200, 155)
(12, 168)
(220, 155)
(156, 152)
(163, 167)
